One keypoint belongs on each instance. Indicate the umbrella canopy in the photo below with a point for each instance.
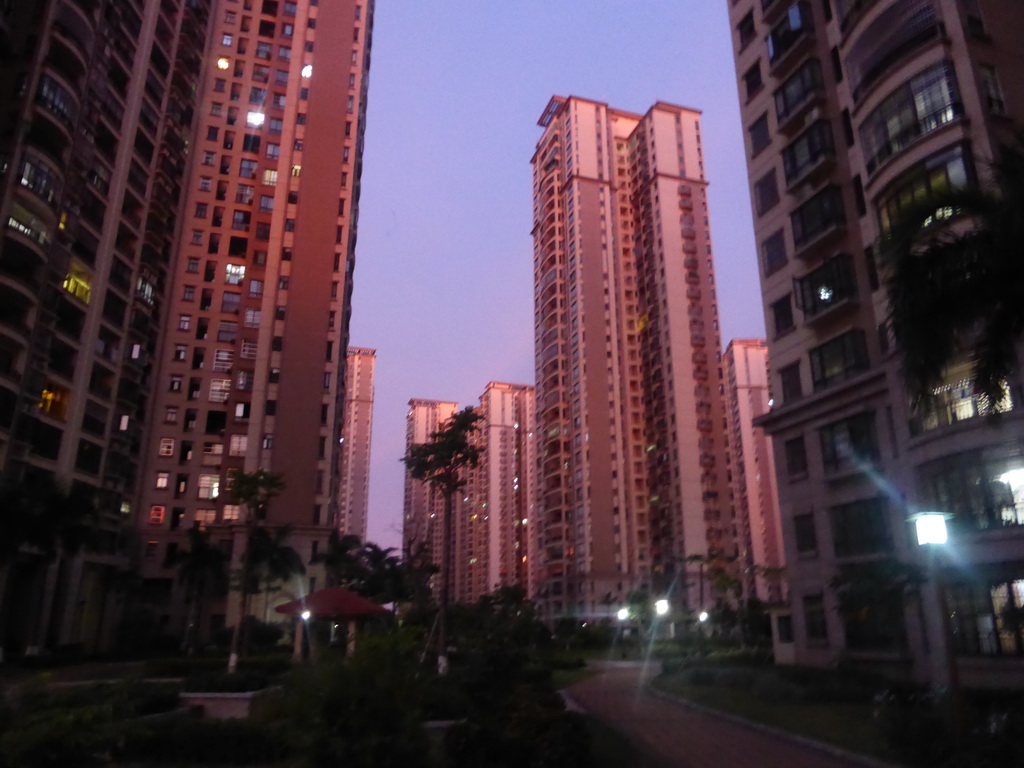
(333, 602)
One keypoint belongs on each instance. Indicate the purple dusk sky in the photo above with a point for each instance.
(443, 280)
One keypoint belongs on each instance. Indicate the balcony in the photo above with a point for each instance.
(830, 286)
(790, 37)
(809, 155)
(958, 402)
(817, 222)
(923, 125)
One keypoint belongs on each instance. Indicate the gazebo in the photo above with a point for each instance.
(335, 603)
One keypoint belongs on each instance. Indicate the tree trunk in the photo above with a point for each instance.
(442, 617)
(192, 623)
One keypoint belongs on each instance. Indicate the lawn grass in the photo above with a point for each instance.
(610, 749)
(849, 726)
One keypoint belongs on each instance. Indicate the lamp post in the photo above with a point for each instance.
(932, 534)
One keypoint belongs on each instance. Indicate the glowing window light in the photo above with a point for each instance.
(255, 119)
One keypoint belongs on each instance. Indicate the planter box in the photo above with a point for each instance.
(221, 706)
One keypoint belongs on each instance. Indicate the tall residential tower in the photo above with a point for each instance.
(96, 112)
(852, 111)
(357, 429)
(631, 463)
(252, 366)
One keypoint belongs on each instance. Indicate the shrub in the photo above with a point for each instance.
(196, 741)
(222, 682)
(772, 688)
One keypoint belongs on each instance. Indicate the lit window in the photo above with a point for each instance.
(163, 480)
(227, 40)
(171, 415)
(234, 274)
(270, 177)
(209, 486)
(307, 70)
(222, 62)
(205, 517)
(239, 444)
(205, 184)
(167, 446)
(184, 322)
(78, 283)
(219, 390)
(255, 119)
(232, 512)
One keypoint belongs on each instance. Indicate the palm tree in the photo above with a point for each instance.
(200, 568)
(384, 574)
(272, 560)
(955, 277)
(253, 490)
(440, 462)
(341, 559)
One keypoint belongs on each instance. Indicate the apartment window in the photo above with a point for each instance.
(222, 359)
(230, 302)
(266, 203)
(163, 480)
(273, 151)
(234, 274)
(808, 150)
(805, 535)
(227, 331)
(827, 286)
(184, 322)
(262, 230)
(209, 486)
(782, 315)
(166, 446)
(815, 623)
(270, 177)
(752, 80)
(253, 318)
(276, 125)
(192, 265)
(789, 31)
(796, 457)
(892, 35)
(205, 183)
(991, 90)
(278, 101)
(798, 88)
(255, 288)
(838, 359)
(180, 351)
(250, 143)
(850, 443)
(220, 389)
(264, 50)
(925, 102)
(789, 378)
(238, 445)
(760, 136)
(745, 29)
(821, 214)
(227, 41)
(935, 175)
(773, 253)
(205, 517)
(766, 193)
(860, 528)
(175, 383)
(240, 220)
(171, 414)
(247, 169)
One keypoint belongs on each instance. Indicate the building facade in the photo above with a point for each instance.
(96, 115)
(853, 110)
(754, 494)
(252, 366)
(357, 429)
(631, 458)
(422, 527)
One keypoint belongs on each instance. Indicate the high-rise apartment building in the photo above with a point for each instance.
(494, 546)
(631, 477)
(96, 109)
(357, 430)
(753, 494)
(424, 507)
(852, 111)
(252, 366)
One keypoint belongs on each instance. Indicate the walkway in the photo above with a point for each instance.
(678, 736)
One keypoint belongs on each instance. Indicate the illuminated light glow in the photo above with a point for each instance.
(825, 293)
(702, 616)
(931, 528)
(307, 70)
(255, 119)
(223, 63)
(306, 615)
(661, 607)
(623, 614)
(1013, 478)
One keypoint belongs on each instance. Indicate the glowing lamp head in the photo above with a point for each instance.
(930, 528)
(623, 614)
(305, 615)
(223, 63)
(702, 616)
(661, 607)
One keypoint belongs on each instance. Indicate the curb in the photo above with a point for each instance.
(829, 749)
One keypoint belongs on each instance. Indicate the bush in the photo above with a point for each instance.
(186, 666)
(222, 682)
(184, 739)
(774, 689)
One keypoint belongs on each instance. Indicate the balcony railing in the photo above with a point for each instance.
(956, 403)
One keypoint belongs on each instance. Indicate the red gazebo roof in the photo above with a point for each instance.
(333, 602)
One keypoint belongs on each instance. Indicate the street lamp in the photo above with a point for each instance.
(702, 616)
(932, 534)
(661, 607)
(623, 614)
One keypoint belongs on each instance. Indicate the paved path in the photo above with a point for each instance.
(677, 736)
